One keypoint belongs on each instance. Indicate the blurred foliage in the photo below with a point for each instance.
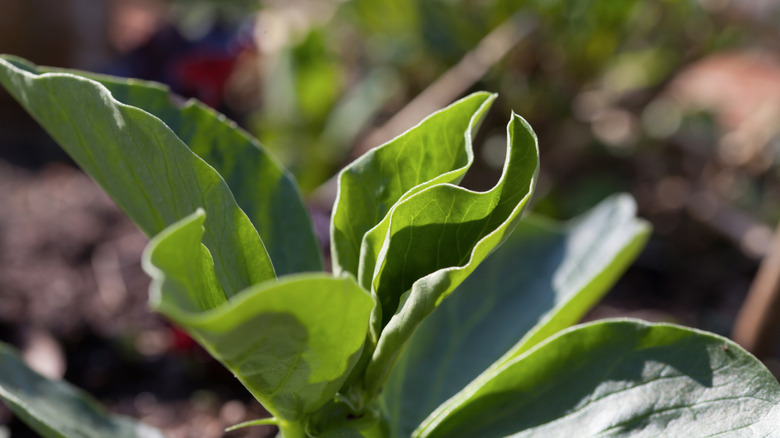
(593, 78)
(340, 71)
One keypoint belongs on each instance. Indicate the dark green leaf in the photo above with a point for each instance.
(56, 409)
(541, 280)
(291, 342)
(142, 164)
(263, 190)
(618, 378)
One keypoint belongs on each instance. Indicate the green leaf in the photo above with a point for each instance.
(291, 342)
(56, 409)
(438, 150)
(432, 240)
(261, 187)
(342, 433)
(541, 280)
(142, 164)
(618, 378)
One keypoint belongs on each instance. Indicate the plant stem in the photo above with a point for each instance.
(291, 430)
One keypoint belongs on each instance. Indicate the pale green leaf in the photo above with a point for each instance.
(261, 187)
(142, 164)
(432, 240)
(619, 378)
(437, 150)
(541, 280)
(260, 422)
(291, 342)
(56, 409)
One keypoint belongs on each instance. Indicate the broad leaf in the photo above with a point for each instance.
(56, 409)
(142, 164)
(263, 190)
(618, 378)
(291, 342)
(432, 240)
(541, 280)
(437, 150)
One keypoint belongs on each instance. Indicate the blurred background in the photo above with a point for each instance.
(674, 101)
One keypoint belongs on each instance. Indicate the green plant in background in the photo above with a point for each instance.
(366, 58)
(412, 335)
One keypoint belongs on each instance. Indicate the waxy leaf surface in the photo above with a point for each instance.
(56, 409)
(618, 378)
(432, 240)
(541, 280)
(263, 190)
(438, 150)
(291, 342)
(142, 164)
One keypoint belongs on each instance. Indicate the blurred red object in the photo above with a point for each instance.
(181, 340)
(203, 76)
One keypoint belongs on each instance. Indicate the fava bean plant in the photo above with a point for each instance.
(445, 315)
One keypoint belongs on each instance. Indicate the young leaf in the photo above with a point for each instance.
(618, 378)
(541, 280)
(261, 187)
(291, 342)
(431, 241)
(142, 164)
(56, 409)
(438, 150)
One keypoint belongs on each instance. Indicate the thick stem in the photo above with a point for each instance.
(379, 429)
(291, 430)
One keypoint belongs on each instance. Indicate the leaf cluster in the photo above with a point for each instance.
(411, 334)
